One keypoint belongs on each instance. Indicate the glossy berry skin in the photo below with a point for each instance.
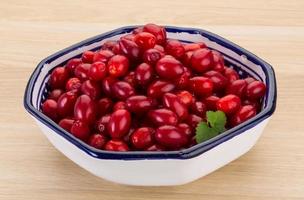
(192, 120)
(49, 108)
(58, 77)
(122, 90)
(163, 117)
(255, 90)
(139, 104)
(199, 108)
(186, 129)
(185, 97)
(97, 141)
(158, 31)
(72, 64)
(158, 88)
(130, 49)
(169, 68)
(65, 104)
(182, 81)
(102, 124)
(201, 86)
(160, 48)
(255, 103)
(119, 105)
(80, 130)
(144, 74)
(211, 102)
(201, 60)
(109, 45)
(55, 94)
(119, 124)
(130, 78)
(106, 86)
(118, 66)
(219, 81)
(145, 40)
(187, 58)
(231, 74)
(91, 88)
(237, 87)
(218, 62)
(82, 70)
(98, 71)
(143, 137)
(116, 145)
(229, 104)
(85, 109)
(104, 106)
(170, 137)
(175, 48)
(87, 57)
(103, 56)
(151, 56)
(66, 124)
(73, 84)
(172, 102)
(244, 113)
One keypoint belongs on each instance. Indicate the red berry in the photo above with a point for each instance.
(169, 68)
(58, 77)
(82, 70)
(122, 90)
(163, 117)
(199, 108)
(97, 141)
(119, 105)
(130, 37)
(119, 123)
(172, 102)
(158, 31)
(118, 66)
(211, 102)
(55, 94)
(49, 108)
(144, 74)
(66, 124)
(155, 147)
(171, 137)
(158, 88)
(193, 120)
(80, 130)
(237, 87)
(130, 78)
(202, 60)
(243, 114)
(142, 137)
(218, 61)
(65, 104)
(255, 90)
(175, 48)
(185, 97)
(87, 57)
(104, 106)
(160, 48)
(139, 104)
(151, 56)
(102, 124)
(194, 46)
(91, 88)
(109, 45)
(116, 145)
(187, 58)
(107, 85)
(229, 104)
(103, 56)
(219, 81)
(201, 86)
(255, 103)
(182, 81)
(73, 84)
(72, 64)
(249, 80)
(231, 74)
(145, 40)
(138, 30)
(84, 109)
(186, 129)
(98, 71)
(130, 49)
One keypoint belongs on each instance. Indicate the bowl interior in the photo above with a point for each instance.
(244, 62)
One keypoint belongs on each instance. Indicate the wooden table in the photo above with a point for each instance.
(31, 168)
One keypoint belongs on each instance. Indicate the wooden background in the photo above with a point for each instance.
(30, 168)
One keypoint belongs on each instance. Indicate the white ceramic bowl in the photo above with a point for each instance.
(157, 168)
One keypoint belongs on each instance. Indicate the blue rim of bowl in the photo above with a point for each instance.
(188, 153)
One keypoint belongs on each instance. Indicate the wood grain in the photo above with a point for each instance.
(30, 168)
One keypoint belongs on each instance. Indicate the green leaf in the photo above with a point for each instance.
(215, 124)
(204, 132)
(217, 120)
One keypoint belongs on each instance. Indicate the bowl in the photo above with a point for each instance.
(157, 168)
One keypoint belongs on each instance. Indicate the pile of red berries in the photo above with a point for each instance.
(147, 92)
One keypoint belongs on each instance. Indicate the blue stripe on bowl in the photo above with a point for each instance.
(270, 101)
